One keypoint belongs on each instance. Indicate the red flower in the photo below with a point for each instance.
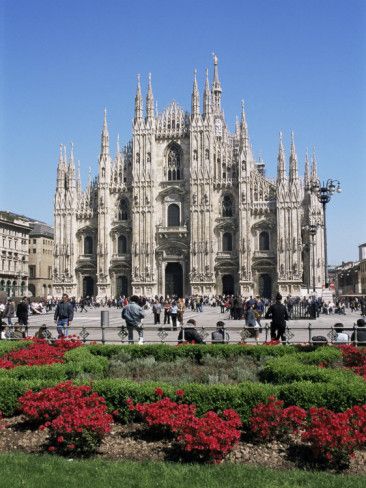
(180, 393)
(60, 439)
(51, 449)
(159, 392)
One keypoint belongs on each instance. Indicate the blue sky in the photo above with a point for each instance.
(299, 64)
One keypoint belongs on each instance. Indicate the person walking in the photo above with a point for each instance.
(156, 311)
(9, 311)
(278, 313)
(174, 314)
(23, 312)
(134, 315)
(64, 314)
(181, 308)
(167, 308)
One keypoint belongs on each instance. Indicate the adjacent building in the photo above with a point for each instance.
(40, 259)
(351, 276)
(14, 243)
(186, 208)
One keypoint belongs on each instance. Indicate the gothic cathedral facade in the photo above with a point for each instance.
(185, 208)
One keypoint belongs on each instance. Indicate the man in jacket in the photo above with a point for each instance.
(278, 313)
(133, 315)
(190, 335)
(22, 312)
(9, 311)
(64, 314)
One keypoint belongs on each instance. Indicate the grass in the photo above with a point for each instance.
(44, 471)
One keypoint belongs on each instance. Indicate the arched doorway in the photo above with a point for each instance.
(228, 285)
(265, 286)
(122, 286)
(174, 279)
(88, 286)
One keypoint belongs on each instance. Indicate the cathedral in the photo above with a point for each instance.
(185, 208)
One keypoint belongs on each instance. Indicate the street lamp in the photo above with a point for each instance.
(312, 229)
(324, 192)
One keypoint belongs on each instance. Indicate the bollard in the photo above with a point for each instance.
(104, 321)
(266, 329)
(309, 327)
(355, 327)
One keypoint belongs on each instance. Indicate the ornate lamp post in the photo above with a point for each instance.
(311, 229)
(324, 192)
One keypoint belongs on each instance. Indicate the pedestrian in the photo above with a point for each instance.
(64, 314)
(278, 313)
(219, 336)
(9, 311)
(22, 312)
(361, 333)
(134, 315)
(167, 308)
(83, 305)
(341, 337)
(174, 314)
(156, 311)
(181, 308)
(190, 334)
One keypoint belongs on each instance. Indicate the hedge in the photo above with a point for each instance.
(289, 374)
(163, 352)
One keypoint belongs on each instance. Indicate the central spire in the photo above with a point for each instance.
(105, 136)
(216, 85)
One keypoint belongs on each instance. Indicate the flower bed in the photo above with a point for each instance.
(75, 417)
(38, 352)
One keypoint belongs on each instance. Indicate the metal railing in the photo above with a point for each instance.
(161, 334)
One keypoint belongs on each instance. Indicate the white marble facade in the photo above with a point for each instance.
(185, 208)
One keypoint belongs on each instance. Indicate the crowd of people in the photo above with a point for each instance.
(169, 311)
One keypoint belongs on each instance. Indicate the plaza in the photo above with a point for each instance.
(90, 323)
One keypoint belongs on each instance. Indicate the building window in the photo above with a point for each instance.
(122, 245)
(32, 272)
(88, 245)
(123, 209)
(227, 206)
(264, 241)
(227, 241)
(173, 215)
(34, 251)
(174, 163)
(50, 272)
(34, 241)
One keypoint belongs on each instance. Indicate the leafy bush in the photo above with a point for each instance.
(208, 438)
(334, 437)
(76, 418)
(270, 420)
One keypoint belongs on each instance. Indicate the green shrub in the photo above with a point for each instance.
(163, 352)
(290, 373)
(7, 346)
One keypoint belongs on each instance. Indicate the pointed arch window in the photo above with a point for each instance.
(122, 245)
(88, 245)
(123, 210)
(227, 242)
(174, 163)
(264, 241)
(173, 215)
(227, 206)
